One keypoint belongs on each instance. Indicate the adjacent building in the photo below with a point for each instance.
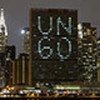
(3, 32)
(26, 40)
(18, 70)
(23, 69)
(10, 52)
(2, 69)
(87, 52)
(3, 43)
(98, 58)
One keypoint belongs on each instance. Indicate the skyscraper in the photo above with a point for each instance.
(3, 43)
(10, 52)
(87, 51)
(53, 53)
(3, 32)
(26, 39)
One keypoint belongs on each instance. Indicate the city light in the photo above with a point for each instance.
(60, 58)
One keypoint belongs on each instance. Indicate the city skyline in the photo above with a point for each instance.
(49, 49)
(17, 14)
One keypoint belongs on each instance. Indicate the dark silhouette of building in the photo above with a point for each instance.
(18, 70)
(2, 69)
(23, 69)
(10, 52)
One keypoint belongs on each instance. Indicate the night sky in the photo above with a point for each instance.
(17, 14)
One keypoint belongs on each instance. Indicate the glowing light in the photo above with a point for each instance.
(60, 23)
(39, 26)
(41, 49)
(69, 48)
(23, 32)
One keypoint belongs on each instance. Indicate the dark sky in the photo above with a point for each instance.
(17, 14)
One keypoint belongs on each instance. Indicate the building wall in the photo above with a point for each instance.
(18, 70)
(23, 69)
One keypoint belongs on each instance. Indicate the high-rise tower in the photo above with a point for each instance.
(3, 31)
(3, 43)
(26, 40)
(87, 52)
